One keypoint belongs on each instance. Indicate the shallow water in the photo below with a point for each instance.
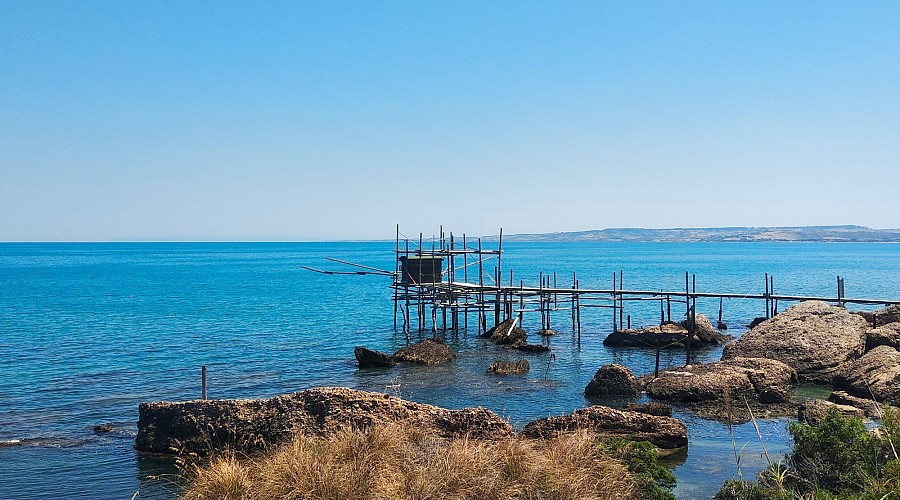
(88, 331)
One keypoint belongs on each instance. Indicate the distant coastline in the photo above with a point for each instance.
(836, 234)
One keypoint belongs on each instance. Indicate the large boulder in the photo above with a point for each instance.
(888, 335)
(367, 358)
(663, 432)
(876, 373)
(812, 337)
(738, 376)
(426, 352)
(507, 332)
(612, 380)
(520, 367)
(752, 384)
(668, 335)
(202, 426)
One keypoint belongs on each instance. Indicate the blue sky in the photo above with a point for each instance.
(337, 120)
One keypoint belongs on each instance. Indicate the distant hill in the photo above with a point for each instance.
(709, 234)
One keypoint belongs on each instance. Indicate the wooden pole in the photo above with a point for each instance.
(614, 301)
(466, 279)
(621, 297)
(203, 382)
(396, 272)
(481, 321)
(767, 297)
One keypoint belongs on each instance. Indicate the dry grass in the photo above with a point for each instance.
(397, 462)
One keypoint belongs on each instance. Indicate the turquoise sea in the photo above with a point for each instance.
(88, 331)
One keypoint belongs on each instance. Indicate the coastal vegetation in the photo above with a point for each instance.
(406, 461)
(837, 457)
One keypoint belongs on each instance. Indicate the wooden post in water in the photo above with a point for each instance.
(621, 297)
(203, 382)
(396, 272)
(767, 297)
(481, 320)
(614, 301)
(466, 279)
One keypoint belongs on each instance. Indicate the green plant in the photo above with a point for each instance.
(654, 479)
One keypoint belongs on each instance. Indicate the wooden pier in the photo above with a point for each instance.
(436, 283)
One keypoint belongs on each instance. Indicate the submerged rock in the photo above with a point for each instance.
(368, 358)
(612, 380)
(875, 374)
(506, 368)
(202, 426)
(663, 432)
(812, 337)
(533, 348)
(547, 332)
(426, 352)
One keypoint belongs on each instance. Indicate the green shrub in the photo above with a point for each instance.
(654, 479)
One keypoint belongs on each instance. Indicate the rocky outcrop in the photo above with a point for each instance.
(812, 337)
(368, 358)
(758, 383)
(869, 407)
(651, 408)
(888, 335)
(251, 424)
(612, 380)
(669, 335)
(887, 315)
(663, 432)
(520, 367)
(506, 333)
(876, 373)
(812, 411)
(426, 352)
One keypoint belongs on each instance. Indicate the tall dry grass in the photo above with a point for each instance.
(399, 462)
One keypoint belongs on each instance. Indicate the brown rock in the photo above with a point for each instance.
(663, 432)
(612, 380)
(812, 337)
(869, 407)
(774, 395)
(741, 377)
(520, 367)
(887, 315)
(811, 412)
(533, 348)
(252, 424)
(506, 334)
(888, 335)
(651, 408)
(426, 352)
(547, 332)
(876, 373)
(668, 336)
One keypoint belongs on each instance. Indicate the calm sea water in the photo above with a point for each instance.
(88, 331)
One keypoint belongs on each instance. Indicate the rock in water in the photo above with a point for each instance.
(426, 352)
(652, 408)
(810, 412)
(368, 358)
(812, 337)
(506, 334)
(547, 332)
(877, 370)
(252, 424)
(669, 335)
(612, 380)
(533, 348)
(663, 432)
(506, 368)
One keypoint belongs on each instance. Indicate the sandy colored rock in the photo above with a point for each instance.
(869, 407)
(742, 377)
(252, 424)
(812, 337)
(663, 432)
(612, 380)
(811, 412)
(877, 371)
(651, 408)
(888, 335)
(426, 352)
